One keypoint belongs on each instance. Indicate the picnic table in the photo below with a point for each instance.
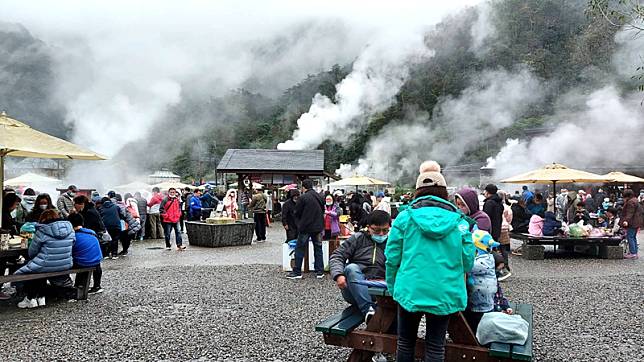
(13, 253)
(380, 334)
(533, 248)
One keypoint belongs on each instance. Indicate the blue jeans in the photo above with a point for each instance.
(631, 236)
(301, 248)
(355, 293)
(167, 229)
(434, 336)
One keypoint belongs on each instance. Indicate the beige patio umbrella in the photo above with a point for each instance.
(359, 181)
(29, 179)
(19, 140)
(551, 174)
(623, 178)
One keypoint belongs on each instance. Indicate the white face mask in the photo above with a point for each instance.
(14, 213)
(43, 207)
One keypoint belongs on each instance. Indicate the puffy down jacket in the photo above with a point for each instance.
(51, 248)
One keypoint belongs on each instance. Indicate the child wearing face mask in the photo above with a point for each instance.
(42, 203)
(332, 214)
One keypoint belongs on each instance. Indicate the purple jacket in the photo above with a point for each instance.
(334, 214)
(471, 199)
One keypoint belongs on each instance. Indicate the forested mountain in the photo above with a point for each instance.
(559, 42)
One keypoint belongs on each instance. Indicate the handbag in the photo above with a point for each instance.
(104, 237)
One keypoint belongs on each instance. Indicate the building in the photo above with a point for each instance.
(272, 167)
(163, 176)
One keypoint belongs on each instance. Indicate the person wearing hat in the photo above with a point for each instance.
(481, 279)
(65, 203)
(429, 251)
(382, 204)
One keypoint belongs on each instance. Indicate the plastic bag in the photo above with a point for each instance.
(576, 231)
(502, 328)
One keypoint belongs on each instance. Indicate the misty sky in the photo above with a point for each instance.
(120, 64)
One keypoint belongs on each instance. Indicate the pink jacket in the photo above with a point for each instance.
(536, 225)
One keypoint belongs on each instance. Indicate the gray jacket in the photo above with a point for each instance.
(361, 250)
(65, 204)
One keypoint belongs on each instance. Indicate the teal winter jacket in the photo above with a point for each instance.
(428, 252)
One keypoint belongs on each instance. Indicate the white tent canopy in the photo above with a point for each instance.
(30, 179)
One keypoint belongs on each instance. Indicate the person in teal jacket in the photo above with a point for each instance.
(428, 253)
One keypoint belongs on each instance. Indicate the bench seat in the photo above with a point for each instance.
(341, 323)
(513, 351)
(34, 276)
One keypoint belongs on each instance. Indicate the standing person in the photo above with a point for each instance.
(170, 212)
(186, 197)
(245, 201)
(269, 208)
(383, 204)
(156, 226)
(130, 224)
(493, 207)
(288, 215)
(209, 202)
(309, 212)
(631, 219)
(258, 206)
(527, 195)
(430, 236)
(91, 217)
(142, 204)
(561, 203)
(50, 251)
(110, 215)
(86, 253)
(361, 257)
(194, 207)
(468, 201)
(332, 214)
(506, 227)
(230, 203)
(65, 203)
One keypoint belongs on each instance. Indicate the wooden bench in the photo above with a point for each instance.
(340, 330)
(82, 292)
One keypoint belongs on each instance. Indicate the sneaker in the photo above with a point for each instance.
(319, 275)
(114, 257)
(261, 241)
(168, 248)
(631, 256)
(41, 301)
(503, 275)
(123, 253)
(517, 252)
(378, 357)
(293, 275)
(95, 290)
(370, 313)
(181, 248)
(4, 296)
(28, 303)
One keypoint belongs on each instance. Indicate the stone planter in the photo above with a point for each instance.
(217, 235)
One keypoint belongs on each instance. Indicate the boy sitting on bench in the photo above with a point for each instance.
(360, 258)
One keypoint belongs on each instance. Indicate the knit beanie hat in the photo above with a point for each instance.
(483, 242)
(430, 175)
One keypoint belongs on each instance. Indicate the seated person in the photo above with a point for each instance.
(49, 251)
(612, 221)
(10, 203)
(536, 225)
(481, 280)
(361, 257)
(520, 217)
(601, 221)
(538, 205)
(86, 252)
(501, 303)
(551, 226)
(581, 214)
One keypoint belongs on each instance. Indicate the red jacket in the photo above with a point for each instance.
(170, 210)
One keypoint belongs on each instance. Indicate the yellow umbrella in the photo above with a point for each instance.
(19, 140)
(359, 181)
(29, 179)
(622, 178)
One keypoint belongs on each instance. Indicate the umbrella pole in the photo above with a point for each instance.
(1, 184)
(554, 195)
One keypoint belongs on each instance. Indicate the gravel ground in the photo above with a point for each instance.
(232, 304)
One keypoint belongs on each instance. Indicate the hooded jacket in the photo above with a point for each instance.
(25, 207)
(288, 216)
(359, 249)
(471, 199)
(92, 218)
(428, 252)
(536, 225)
(133, 224)
(632, 213)
(110, 215)
(493, 207)
(86, 250)
(520, 219)
(51, 248)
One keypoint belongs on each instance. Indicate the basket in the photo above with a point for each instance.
(218, 235)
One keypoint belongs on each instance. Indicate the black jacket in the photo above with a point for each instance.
(288, 219)
(309, 212)
(520, 219)
(92, 219)
(493, 207)
(359, 249)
